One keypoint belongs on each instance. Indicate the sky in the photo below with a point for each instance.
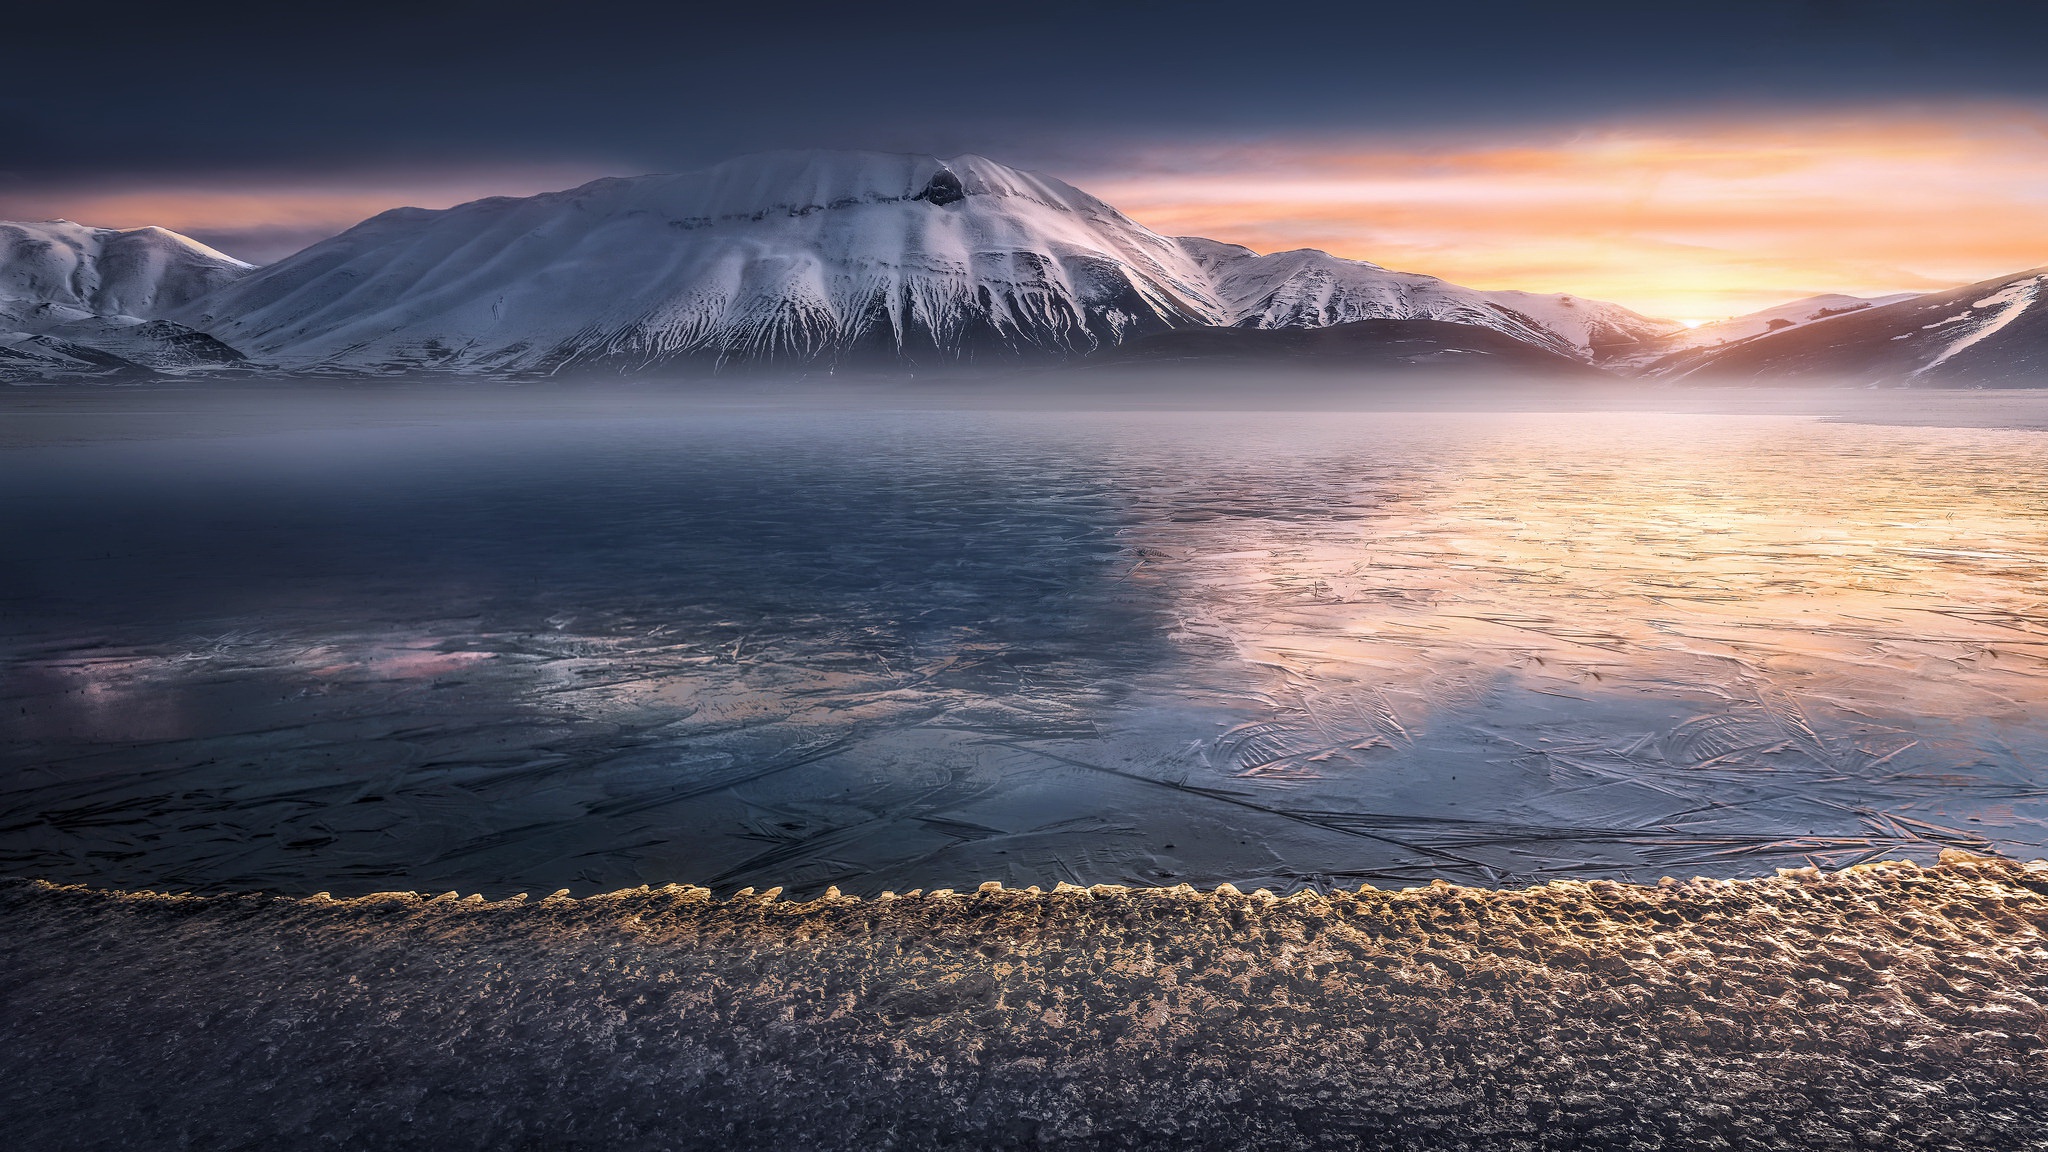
(1689, 160)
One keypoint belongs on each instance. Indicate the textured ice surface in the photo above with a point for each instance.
(906, 649)
(1889, 1007)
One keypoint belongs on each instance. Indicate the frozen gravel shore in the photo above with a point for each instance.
(1887, 1006)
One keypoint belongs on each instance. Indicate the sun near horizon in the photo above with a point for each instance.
(1699, 217)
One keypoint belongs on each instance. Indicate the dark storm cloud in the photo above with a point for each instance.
(274, 88)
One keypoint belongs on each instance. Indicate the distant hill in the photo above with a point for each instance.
(1992, 333)
(82, 302)
(1307, 288)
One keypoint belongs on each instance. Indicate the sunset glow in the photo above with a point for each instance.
(1695, 218)
(266, 219)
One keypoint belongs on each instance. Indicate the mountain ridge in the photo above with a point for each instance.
(1310, 288)
(808, 260)
(812, 259)
(1993, 333)
(782, 258)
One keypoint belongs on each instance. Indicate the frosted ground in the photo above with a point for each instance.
(517, 642)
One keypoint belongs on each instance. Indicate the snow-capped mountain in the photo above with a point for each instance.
(77, 271)
(812, 257)
(788, 257)
(1307, 288)
(783, 257)
(82, 301)
(835, 259)
(1994, 332)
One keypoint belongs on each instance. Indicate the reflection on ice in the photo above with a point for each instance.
(905, 650)
(1645, 643)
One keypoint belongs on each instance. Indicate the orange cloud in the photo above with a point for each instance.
(1698, 218)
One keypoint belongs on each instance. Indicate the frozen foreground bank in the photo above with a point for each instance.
(1888, 1006)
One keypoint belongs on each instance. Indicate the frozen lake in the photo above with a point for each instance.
(888, 649)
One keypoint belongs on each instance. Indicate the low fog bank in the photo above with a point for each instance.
(44, 415)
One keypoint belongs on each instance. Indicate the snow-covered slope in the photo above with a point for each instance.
(1994, 332)
(791, 257)
(1307, 288)
(68, 269)
(1781, 317)
(82, 301)
(846, 258)
(823, 258)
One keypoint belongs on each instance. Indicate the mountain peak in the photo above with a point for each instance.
(78, 301)
(791, 257)
(140, 272)
(800, 257)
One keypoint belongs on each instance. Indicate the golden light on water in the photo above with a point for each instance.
(1734, 628)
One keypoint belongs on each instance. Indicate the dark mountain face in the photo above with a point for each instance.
(1369, 345)
(1990, 334)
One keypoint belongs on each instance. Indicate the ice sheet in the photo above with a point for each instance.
(897, 649)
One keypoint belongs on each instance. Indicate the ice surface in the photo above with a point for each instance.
(889, 650)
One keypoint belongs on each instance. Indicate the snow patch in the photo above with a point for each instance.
(2011, 301)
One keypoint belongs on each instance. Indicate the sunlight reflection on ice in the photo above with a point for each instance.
(898, 650)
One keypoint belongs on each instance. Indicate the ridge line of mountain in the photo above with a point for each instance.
(829, 261)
